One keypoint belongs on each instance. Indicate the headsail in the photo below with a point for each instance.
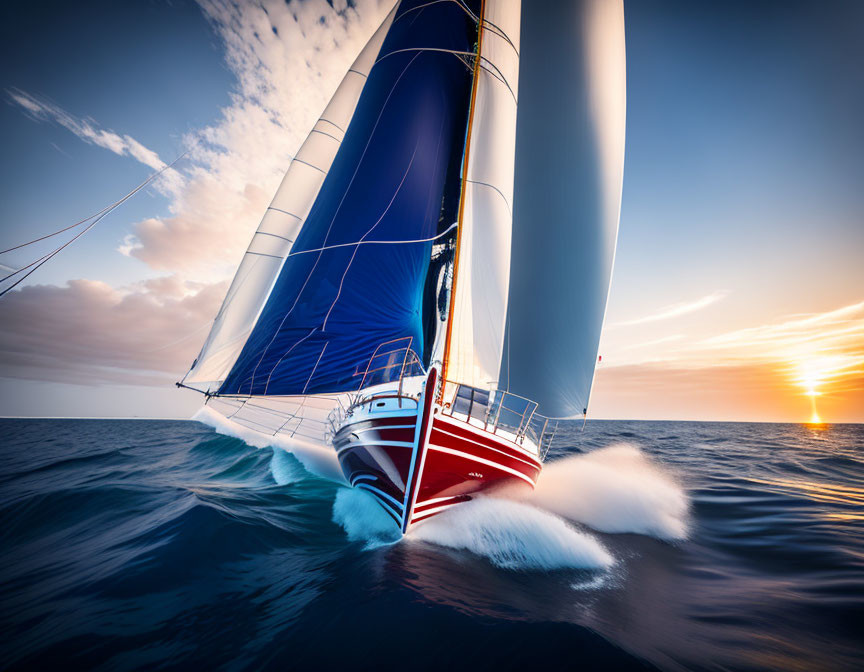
(480, 285)
(570, 157)
(281, 223)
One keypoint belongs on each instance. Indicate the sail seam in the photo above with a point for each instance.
(276, 365)
(331, 123)
(379, 242)
(275, 235)
(315, 130)
(315, 368)
(492, 186)
(363, 239)
(284, 212)
(310, 165)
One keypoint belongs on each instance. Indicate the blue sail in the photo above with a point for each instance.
(355, 277)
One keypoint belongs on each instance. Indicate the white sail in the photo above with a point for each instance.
(283, 220)
(480, 286)
(570, 153)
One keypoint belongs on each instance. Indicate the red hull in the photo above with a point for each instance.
(421, 462)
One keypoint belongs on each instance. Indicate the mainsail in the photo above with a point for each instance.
(411, 162)
(570, 159)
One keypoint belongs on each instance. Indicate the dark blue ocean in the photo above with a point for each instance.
(701, 546)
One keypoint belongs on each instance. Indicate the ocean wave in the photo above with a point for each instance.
(613, 489)
(318, 460)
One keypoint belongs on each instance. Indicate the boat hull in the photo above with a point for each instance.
(420, 462)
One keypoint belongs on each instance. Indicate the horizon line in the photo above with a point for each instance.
(180, 419)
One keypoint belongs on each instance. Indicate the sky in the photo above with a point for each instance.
(738, 289)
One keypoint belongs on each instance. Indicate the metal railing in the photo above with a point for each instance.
(499, 410)
(393, 364)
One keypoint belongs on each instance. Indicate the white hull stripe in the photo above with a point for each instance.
(378, 428)
(423, 514)
(360, 444)
(468, 456)
(536, 465)
(436, 499)
(479, 431)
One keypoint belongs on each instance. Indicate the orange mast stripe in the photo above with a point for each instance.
(462, 197)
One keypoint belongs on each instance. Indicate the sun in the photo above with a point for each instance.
(811, 374)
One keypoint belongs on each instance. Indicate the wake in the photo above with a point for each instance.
(617, 489)
(316, 459)
(613, 490)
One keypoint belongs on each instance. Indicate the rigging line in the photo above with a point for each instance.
(436, 2)
(500, 33)
(335, 214)
(43, 260)
(71, 226)
(485, 63)
(95, 214)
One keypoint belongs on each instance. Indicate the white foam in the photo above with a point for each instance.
(317, 459)
(513, 536)
(613, 489)
(284, 468)
(363, 518)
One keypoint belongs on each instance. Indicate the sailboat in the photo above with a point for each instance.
(426, 291)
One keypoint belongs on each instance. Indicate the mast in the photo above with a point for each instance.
(466, 156)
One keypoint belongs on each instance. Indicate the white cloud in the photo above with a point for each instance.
(809, 350)
(90, 332)
(168, 183)
(676, 309)
(288, 60)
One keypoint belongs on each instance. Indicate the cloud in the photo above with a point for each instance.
(765, 369)
(288, 60)
(676, 310)
(90, 332)
(86, 129)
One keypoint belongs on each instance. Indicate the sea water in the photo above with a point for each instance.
(135, 544)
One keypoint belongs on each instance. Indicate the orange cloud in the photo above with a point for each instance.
(764, 372)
